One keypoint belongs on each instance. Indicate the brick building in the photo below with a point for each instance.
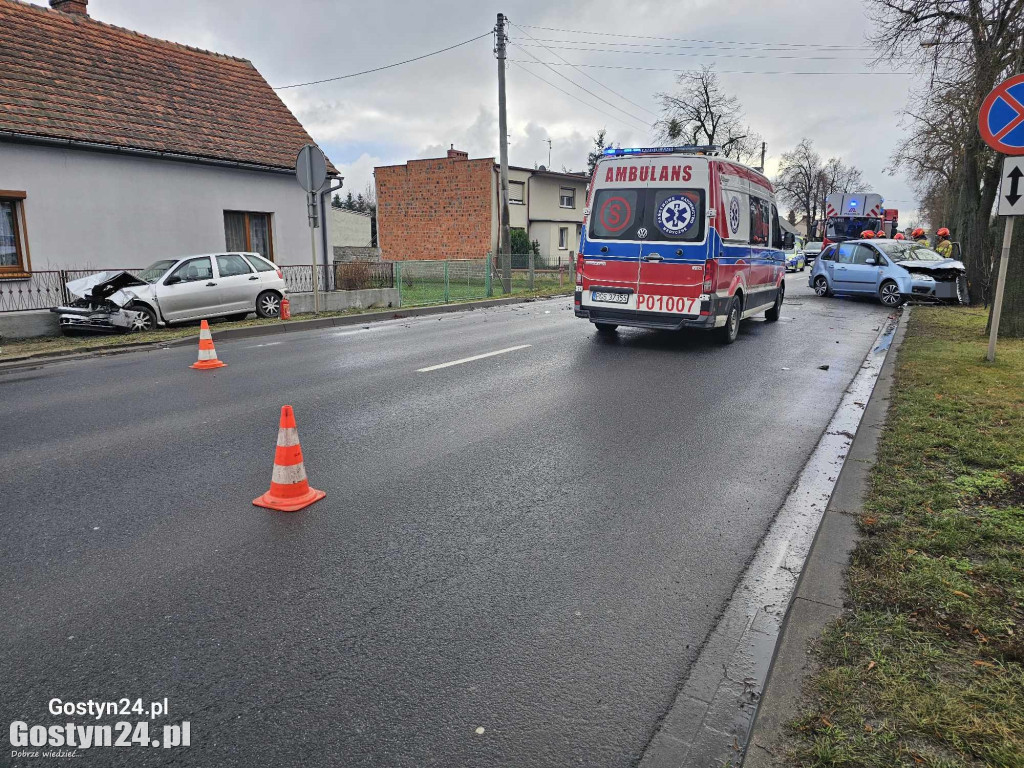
(449, 208)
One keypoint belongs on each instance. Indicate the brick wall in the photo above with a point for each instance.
(435, 209)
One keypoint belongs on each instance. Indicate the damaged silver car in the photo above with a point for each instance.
(105, 302)
(230, 285)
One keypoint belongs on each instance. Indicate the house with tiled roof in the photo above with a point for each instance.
(118, 149)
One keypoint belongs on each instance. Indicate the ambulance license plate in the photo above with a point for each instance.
(676, 305)
(614, 298)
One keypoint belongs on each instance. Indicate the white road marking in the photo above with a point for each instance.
(268, 344)
(471, 359)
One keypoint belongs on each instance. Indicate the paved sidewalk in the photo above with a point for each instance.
(821, 591)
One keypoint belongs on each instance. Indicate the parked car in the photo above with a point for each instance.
(795, 261)
(168, 291)
(811, 250)
(893, 270)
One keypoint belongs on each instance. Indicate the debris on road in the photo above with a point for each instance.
(823, 367)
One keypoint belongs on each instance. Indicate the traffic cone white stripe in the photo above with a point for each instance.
(207, 354)
(287, 436)
(204, 333)
(289, 474)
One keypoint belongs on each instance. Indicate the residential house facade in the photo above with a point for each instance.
(118, 149)
(450, 208)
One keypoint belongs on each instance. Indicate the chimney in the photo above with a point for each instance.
(77, 7)
(457, 154)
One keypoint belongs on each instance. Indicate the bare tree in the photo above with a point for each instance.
(969, 46)
(805, 180)
(798, 182)
(700, 112)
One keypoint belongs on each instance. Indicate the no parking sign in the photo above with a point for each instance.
(1001, 124)
(1001, 119)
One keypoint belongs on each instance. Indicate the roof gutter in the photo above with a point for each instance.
(88, 146)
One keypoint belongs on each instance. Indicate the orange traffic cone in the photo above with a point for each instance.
(289, 488)
(207, 354)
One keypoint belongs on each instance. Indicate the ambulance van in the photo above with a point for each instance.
(679, 237)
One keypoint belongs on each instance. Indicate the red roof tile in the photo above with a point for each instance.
(71, 77)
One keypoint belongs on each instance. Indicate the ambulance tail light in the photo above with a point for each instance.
(710, 275)
(579, 268)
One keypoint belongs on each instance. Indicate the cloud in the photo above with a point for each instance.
(420, 109)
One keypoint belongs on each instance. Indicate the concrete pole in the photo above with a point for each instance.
(504, 229)
(997, 306)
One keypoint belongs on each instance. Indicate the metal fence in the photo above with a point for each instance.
(43, 289)
(419, 282)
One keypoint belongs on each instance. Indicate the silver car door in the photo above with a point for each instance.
(239, 283)
(189, 290)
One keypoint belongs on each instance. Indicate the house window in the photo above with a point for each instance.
(516, 192)
(245, 231)
(567, 197)
(13, 250)
(563, 238)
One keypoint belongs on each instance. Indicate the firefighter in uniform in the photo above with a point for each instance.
(919, 238)
(945, 246)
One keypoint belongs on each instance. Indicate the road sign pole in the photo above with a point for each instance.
(997, 306)
(312, 237)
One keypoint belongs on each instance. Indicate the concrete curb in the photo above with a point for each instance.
(821, 589)
(712, 717)
(295, 326)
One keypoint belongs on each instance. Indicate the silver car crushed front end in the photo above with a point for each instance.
(100, 304)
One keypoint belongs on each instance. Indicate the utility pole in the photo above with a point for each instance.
(504, 230)
(549, 154)
(764, 146)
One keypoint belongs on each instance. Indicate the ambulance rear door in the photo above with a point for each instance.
(611, 242)
(674, 249)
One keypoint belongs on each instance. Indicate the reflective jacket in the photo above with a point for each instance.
(945, 249)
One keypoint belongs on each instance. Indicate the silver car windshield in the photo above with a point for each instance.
(156, 270)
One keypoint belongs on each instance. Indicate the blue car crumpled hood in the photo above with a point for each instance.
(932, 266)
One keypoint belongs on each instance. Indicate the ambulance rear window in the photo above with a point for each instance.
(615, 214)
(676, 215)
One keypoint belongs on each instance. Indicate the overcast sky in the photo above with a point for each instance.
(419, 109)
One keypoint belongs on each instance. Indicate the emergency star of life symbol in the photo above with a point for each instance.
(1001, 119)
(676, 215)
(734, 215)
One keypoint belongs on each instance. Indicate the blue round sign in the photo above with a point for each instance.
(1001, 119)
(676, 215)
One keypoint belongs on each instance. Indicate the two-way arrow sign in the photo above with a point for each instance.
(1011, 191)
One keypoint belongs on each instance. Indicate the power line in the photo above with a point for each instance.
(719, 71)
(387, 66)
(571, 95)
(723, 46)
(676, 39)
(589, 77)
(585, 90)
(710, 55)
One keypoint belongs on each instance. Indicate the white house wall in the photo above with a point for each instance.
(348, 228)
(94, 210)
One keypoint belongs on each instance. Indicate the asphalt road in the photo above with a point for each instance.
(535, 543)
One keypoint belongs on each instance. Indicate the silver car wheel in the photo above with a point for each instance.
(821, 285)
(890, 294)
(270, 305)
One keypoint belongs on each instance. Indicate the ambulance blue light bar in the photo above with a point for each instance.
(692, 149)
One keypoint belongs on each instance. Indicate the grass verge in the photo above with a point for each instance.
(46, 346)
(928, 668)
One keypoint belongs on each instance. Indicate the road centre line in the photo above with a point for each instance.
(471, 359)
